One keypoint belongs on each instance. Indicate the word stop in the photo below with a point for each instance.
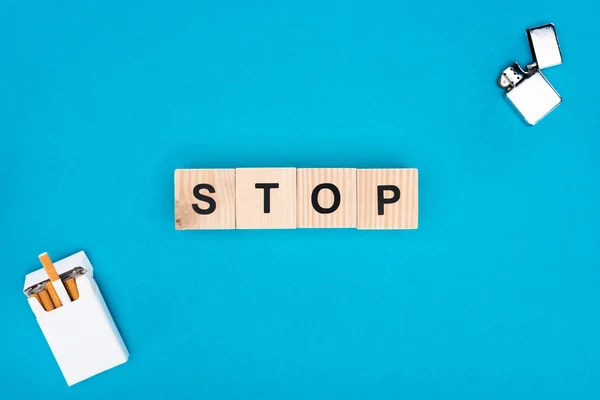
(287, 198)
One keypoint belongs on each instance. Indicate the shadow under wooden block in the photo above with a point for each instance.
(266, 198)
(205, 199)
(388, 198)
(326, 197)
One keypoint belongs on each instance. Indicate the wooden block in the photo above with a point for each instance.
(326, 197)
(266, 198)
(388, 198)
(205, 199)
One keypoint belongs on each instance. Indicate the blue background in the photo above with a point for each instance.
(496, 294)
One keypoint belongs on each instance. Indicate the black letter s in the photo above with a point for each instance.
(212, 205)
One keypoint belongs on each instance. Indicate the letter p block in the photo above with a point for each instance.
(388, 198)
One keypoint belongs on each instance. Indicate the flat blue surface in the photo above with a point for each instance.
(495, 296)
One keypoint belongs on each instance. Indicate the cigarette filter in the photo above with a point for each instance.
(81, 334)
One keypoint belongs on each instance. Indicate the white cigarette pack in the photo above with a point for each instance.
(82, 334)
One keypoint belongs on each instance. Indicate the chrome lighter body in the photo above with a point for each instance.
(528, 90)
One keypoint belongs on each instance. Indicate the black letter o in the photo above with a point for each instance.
(336, 198)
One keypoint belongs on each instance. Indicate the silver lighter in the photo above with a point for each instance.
(529, 91)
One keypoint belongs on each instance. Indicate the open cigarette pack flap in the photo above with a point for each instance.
(81, 333)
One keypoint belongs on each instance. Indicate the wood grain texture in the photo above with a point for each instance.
(344, 179)
(400, 215)
(250, 213)
(223, 181)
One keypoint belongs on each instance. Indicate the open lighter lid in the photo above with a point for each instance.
(544, 46)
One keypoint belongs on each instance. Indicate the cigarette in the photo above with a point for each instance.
(48, 266)
(44, 298)
(37, 296)
(56, 293)
(71, 286)
(53, 295)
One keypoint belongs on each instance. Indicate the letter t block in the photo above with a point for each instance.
(266, 198)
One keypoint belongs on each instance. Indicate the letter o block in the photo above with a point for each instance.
(205, 199)
(388, 198)
(326, 197)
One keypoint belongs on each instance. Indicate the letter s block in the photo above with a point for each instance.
(266, 198)
(205, 199)
(388, 198)
(326, 197)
